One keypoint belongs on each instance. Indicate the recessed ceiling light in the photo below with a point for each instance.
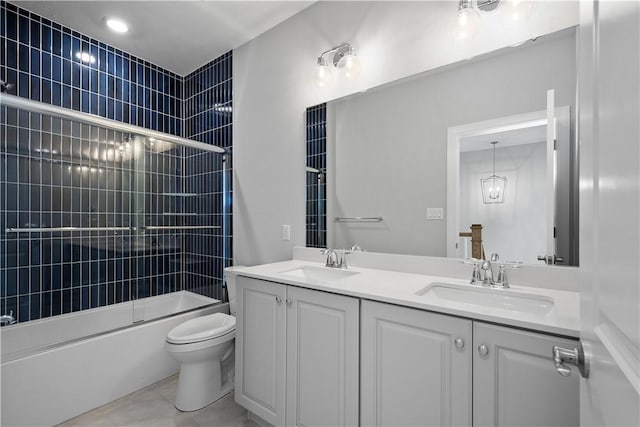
(117, 25)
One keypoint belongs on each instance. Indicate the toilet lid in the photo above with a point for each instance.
(202, 328)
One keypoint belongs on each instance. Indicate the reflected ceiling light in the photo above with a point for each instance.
(493, 187)
(86, 57)
(117, 25)
(340, 59)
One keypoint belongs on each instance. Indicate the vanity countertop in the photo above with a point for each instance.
(405, 288)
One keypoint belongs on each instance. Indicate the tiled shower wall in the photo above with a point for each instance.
(50, 178)
(39, 57)
(208, 119)
(316, 217)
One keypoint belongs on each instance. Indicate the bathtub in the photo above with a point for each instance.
(57, 368)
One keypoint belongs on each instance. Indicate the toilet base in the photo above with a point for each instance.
(200, 385)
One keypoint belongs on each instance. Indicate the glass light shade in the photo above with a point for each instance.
(349, 66)
(517, 10)
(493, 189)
(324, 74)
(468, 23)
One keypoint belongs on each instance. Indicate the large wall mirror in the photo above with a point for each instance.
(410, 166)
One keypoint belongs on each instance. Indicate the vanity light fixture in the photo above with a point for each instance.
(518, 10)
(341, 59)
(468, 19)
(493, 187)
(470, 13)
(117, 25)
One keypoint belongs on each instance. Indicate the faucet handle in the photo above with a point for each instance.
(476, 276)
(502, 280)
(342, 262)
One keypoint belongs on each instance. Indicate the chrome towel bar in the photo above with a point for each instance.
(358, 219)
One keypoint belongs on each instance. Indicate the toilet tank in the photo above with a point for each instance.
(230, 280)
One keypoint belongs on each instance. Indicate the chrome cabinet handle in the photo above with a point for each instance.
(570, 356)
(459, 343)
(483, 350)
(278, 299)
(289, 301)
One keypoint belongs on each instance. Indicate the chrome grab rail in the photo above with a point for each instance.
(181, 227)
(358, 219)
(56, 229)
(14, 101)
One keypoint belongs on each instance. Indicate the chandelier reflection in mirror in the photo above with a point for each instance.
(493, 187)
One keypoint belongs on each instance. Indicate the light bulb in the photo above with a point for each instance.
(468, 22)
(349, 65)
(518, 10)
(324, 74)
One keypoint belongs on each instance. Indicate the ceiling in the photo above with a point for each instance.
(177, 35)
(527, 134)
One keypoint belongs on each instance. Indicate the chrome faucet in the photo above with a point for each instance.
(7, 319)
(334, 260)
(484, 275)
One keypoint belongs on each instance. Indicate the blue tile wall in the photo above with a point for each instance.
(316, 136)
(49, 178)
(40, 57)
(208, 119)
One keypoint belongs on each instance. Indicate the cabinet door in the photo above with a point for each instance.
(412, 372)
(322, 359)
(516, 383)
(260, 348)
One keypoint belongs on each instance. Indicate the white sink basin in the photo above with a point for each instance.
(511, 300)
(319, 274)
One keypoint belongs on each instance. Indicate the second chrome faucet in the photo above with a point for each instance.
(337, 258)
(484, 275)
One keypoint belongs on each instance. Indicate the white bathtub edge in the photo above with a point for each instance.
(54, 386)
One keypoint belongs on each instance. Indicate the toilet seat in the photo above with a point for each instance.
(203, 328)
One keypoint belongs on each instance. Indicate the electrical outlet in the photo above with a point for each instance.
(435, 213)
(286, 232)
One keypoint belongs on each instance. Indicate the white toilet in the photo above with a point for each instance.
(204, 346)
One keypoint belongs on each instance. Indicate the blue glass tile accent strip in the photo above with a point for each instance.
(316, 137)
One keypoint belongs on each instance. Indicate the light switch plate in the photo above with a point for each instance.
(286, 232)
(434, 213)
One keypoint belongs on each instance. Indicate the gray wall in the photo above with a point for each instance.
(391, 144)
(273, 87)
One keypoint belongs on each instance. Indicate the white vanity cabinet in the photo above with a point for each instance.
(415, 367)
(297, 354)
(515, 382)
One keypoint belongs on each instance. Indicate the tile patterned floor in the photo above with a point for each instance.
(153, 406)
